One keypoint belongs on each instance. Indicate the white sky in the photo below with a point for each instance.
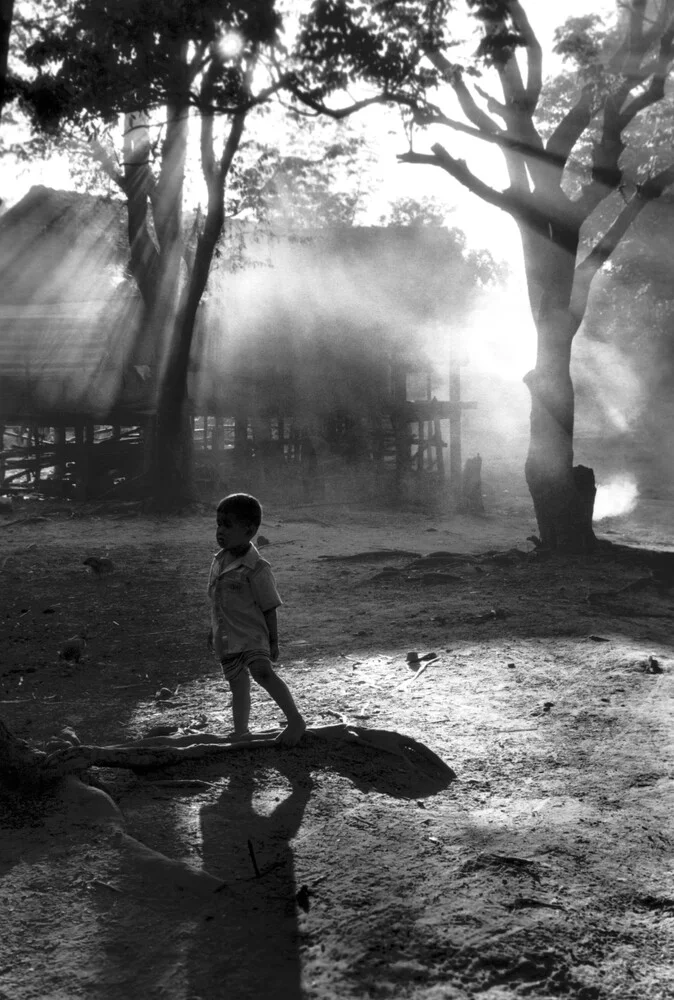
(484, 224)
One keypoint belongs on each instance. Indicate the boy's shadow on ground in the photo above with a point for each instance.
(250, 945)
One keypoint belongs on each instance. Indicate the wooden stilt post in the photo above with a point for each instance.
(455, 416)
(281, 431)
(439, 446)
(2, 457)
(60, 442)
(80, 461)
(218, 433)
(38, 470)
(400, 427)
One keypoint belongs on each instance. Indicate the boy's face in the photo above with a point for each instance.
(231, 534)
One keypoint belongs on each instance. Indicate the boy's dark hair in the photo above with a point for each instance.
(243, 507)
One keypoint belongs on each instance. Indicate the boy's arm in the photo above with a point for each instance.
(272, 628)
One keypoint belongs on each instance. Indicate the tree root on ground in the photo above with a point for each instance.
(155, 752)
(85, 805)
(21, 766)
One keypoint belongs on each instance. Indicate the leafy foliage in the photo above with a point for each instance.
(315, 175)
(103, 58)
(580, 40)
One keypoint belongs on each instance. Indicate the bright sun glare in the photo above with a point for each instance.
(230, 45)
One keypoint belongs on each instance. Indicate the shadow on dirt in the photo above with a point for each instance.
(252, 847)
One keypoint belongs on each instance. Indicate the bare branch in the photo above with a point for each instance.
(568, 132)
(493, 106)
(638, 38)
(601, 252)
(534, 54)
(513, 203)
(108, 163)
(452, 74)
(656, 89)
(504, 140)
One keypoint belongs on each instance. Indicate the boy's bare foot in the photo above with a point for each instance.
(292, 733)
(239, 737)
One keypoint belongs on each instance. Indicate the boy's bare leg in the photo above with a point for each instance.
(267, 678)
(240, 688)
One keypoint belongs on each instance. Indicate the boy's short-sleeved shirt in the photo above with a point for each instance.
(240, 591)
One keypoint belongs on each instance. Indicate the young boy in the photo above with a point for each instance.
(243, 599)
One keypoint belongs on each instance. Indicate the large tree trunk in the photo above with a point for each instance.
(172, 459)
(172, 466)
(563, 496)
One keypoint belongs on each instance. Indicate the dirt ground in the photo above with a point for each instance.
(543, 870)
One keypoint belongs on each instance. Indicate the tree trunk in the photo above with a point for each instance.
(563, 496)
(171, 474)
(6, 14)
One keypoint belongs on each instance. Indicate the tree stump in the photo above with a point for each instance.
(471, 501)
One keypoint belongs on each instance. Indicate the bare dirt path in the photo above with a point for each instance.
(544, 870)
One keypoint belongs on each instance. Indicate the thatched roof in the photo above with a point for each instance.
(61, 246)
(313, 318)
(62, 258)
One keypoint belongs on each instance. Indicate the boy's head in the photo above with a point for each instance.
(239, 516)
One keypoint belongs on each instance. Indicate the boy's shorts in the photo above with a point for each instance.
(233, 664)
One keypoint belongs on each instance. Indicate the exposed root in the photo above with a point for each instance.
(91, 806)
(88, 806)
(164, 751)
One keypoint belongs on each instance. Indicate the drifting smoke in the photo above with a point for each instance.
(615, 498)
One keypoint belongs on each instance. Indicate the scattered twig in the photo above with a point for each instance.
(342, 716)
(494, 614)
(105, 885)
(375, 556)
(409, 681)
(253, 858)
(524, 729)
(183, 783)
(525, 901)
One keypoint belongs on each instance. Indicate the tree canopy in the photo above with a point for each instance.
(573, 186)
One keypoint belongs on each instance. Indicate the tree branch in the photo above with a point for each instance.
(606, 170)
(504, 140)
(340, 113)
(560, 144)
(601, 252)
(453, 76)
(108, 163)
(534, 54)
(656, 89)
(515, 203)
(493, 106)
